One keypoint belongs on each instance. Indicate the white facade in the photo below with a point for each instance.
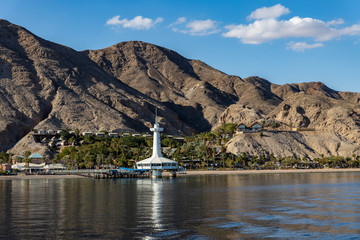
(157, 161)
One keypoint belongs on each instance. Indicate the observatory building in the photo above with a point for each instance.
(157, 163)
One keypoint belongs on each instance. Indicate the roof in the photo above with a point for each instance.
(256, 123)
(159, 163)
(157, 160)
(36, 155)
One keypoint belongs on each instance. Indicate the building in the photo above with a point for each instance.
(51, 132)
(256, 127)
(242, 127)
(19, 158)
(33, 167)
(43, 132)
(113, 135)
(56, 166)
(87, 134)
(157, 163)
(100, 134)
(36, 158)
(5, 167)
(250, 128)
(30, 167)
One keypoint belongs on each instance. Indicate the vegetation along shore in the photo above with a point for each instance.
(205, 151)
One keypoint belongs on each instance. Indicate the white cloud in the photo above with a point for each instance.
(180, 20)
(302, 46)
(336, 22)
(199, 27)
(269, 12)
(265, 30)
(137, 22)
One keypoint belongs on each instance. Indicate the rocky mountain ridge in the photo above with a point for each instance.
(45, 85)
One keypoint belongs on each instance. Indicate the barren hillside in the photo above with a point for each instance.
(44, 85)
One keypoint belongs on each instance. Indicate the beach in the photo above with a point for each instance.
(267, 171)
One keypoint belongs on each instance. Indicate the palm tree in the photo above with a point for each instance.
(27, 160)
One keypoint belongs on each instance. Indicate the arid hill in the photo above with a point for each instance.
(45, 85)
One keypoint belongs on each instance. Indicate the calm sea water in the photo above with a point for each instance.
(284, 206)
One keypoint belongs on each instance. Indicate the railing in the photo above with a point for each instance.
(180, 170)
(80, 171)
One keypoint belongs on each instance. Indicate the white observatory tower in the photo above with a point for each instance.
(157, 163)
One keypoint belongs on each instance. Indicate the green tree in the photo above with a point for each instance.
(27, 160)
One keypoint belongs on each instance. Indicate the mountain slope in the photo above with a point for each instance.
(48, 86)
(45, 85)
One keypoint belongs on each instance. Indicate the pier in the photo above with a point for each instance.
(105, 173)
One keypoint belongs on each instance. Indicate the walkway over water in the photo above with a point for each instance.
(106, 173)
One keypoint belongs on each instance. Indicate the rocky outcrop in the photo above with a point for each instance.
(292, 144)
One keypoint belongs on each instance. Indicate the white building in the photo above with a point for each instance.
(157, 163)
(113, 135)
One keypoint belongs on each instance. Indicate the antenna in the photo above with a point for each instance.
(156, 121)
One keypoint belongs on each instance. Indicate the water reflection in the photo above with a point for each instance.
(150, 202)
(194, 207)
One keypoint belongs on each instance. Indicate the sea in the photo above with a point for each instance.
(256, 206)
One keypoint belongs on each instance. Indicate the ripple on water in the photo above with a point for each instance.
(273, 218)
(169, 234)
(227, 225)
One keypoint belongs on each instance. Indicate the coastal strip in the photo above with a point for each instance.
(224, 172)
(201, 172)
(55, 176)
(265, 171)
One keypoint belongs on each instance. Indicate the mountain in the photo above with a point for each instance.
(45, 85)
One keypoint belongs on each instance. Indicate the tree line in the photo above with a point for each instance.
(202, 151)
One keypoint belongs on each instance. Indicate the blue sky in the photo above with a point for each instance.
(282, 41)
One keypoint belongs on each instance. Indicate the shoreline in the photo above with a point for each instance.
(199, 173)
(7, 177)
(266, 171)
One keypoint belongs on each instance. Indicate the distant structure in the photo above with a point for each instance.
(157, 163)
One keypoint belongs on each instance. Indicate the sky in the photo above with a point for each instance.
(282, 41)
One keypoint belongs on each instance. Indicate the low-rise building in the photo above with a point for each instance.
(256, 127)
(56, 166)
(51, 132)
(29, 167)
(100, 134)
(42, 132)
(87, 134)
(5, 167)
(36, 158)
(19, 158)
(113, 135)
(242, 128)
